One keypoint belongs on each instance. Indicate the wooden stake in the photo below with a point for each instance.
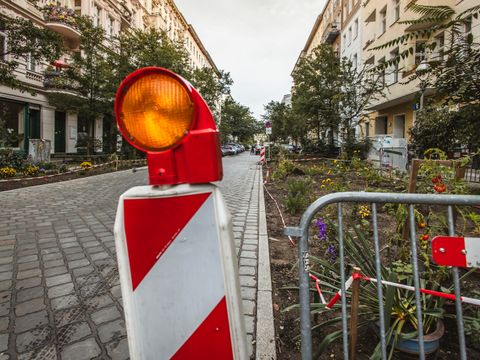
(354, 304)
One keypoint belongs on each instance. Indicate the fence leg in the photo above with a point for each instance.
(354, 313)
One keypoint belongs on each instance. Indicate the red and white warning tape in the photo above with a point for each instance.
(280, 212)
(464, 299)
(357, 276)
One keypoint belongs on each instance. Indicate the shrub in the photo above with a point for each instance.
(31, 170)
(6, 172)
(12, 158)
(47, 165)
(299, 195)
(284, 168)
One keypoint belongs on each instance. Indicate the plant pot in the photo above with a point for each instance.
(431, 341)
(411, 346)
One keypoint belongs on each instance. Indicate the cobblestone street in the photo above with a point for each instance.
(59, 287)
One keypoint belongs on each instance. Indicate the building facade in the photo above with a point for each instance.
(29, 114)
(365, 25)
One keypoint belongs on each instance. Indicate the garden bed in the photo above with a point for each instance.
(68, 173)
(344, 176)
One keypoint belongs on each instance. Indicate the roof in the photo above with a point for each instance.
(202, 48)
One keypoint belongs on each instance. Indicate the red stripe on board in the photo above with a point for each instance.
(447, 251)
(151, 225)
(211, 340)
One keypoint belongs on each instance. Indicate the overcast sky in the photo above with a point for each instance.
(257, 41)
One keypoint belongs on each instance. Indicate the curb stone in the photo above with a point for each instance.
(265, 336)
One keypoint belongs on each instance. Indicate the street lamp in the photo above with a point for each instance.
(422, 73)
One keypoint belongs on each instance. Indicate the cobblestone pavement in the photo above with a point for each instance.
(59, 286)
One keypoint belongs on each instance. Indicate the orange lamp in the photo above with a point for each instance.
(160, 113)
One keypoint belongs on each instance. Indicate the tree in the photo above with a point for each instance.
(359, 88)
(279, 115)
(212, 86)
(238, 122)
(25, 41)
(316, 90)
(137, 49)
(91, 74)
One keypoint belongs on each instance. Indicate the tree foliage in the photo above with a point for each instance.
(440, 127)
(26, 40)
(315, 93)
(238, 122)
(212, 86)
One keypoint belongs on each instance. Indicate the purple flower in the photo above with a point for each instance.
(332, 252)
(322, 229)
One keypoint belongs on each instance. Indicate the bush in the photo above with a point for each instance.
(284, 168)
(6, 172)
(47, 165)
(12, 158)
(320, 148)
(299, 195)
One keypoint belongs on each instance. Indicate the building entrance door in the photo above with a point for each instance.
(60, 119)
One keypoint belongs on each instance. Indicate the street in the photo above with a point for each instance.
(59, 285)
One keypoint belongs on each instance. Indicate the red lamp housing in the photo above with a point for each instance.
(161, 113)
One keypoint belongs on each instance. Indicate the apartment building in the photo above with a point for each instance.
(30, 114)
(367, 24)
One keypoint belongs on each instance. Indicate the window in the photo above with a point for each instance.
(440, 47)
(394, 56)
(344, 42)
(370, 61)
(349, 35)
(419, 52)
(3, 46)
(354, 61)
(110, 26)
(97, 13)
(355, 29)
(382, 74)
(31, 63)
(396, 10)
(383, 20)
(381, 125)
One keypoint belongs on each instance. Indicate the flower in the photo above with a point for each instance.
(86, 165)
(332, 252)
(364, 211)
(322, 229)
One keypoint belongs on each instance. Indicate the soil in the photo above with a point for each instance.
(285, 272)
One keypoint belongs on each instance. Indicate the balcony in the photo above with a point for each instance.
(331, 33)
(63, 21)
(57, 81)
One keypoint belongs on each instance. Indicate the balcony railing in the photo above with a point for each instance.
(332, 32)
(58, 81)
(62, 20)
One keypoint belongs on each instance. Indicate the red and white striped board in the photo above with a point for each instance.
(178, 274)
(456, 251)
(262, 155)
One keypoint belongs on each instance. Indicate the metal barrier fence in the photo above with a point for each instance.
(302, 232)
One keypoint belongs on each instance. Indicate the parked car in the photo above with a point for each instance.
(228, 150)
(239, 148)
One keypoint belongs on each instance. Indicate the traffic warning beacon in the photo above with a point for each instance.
(174, 239)
(162, 114)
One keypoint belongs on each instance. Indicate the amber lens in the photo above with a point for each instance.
(156, 112)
